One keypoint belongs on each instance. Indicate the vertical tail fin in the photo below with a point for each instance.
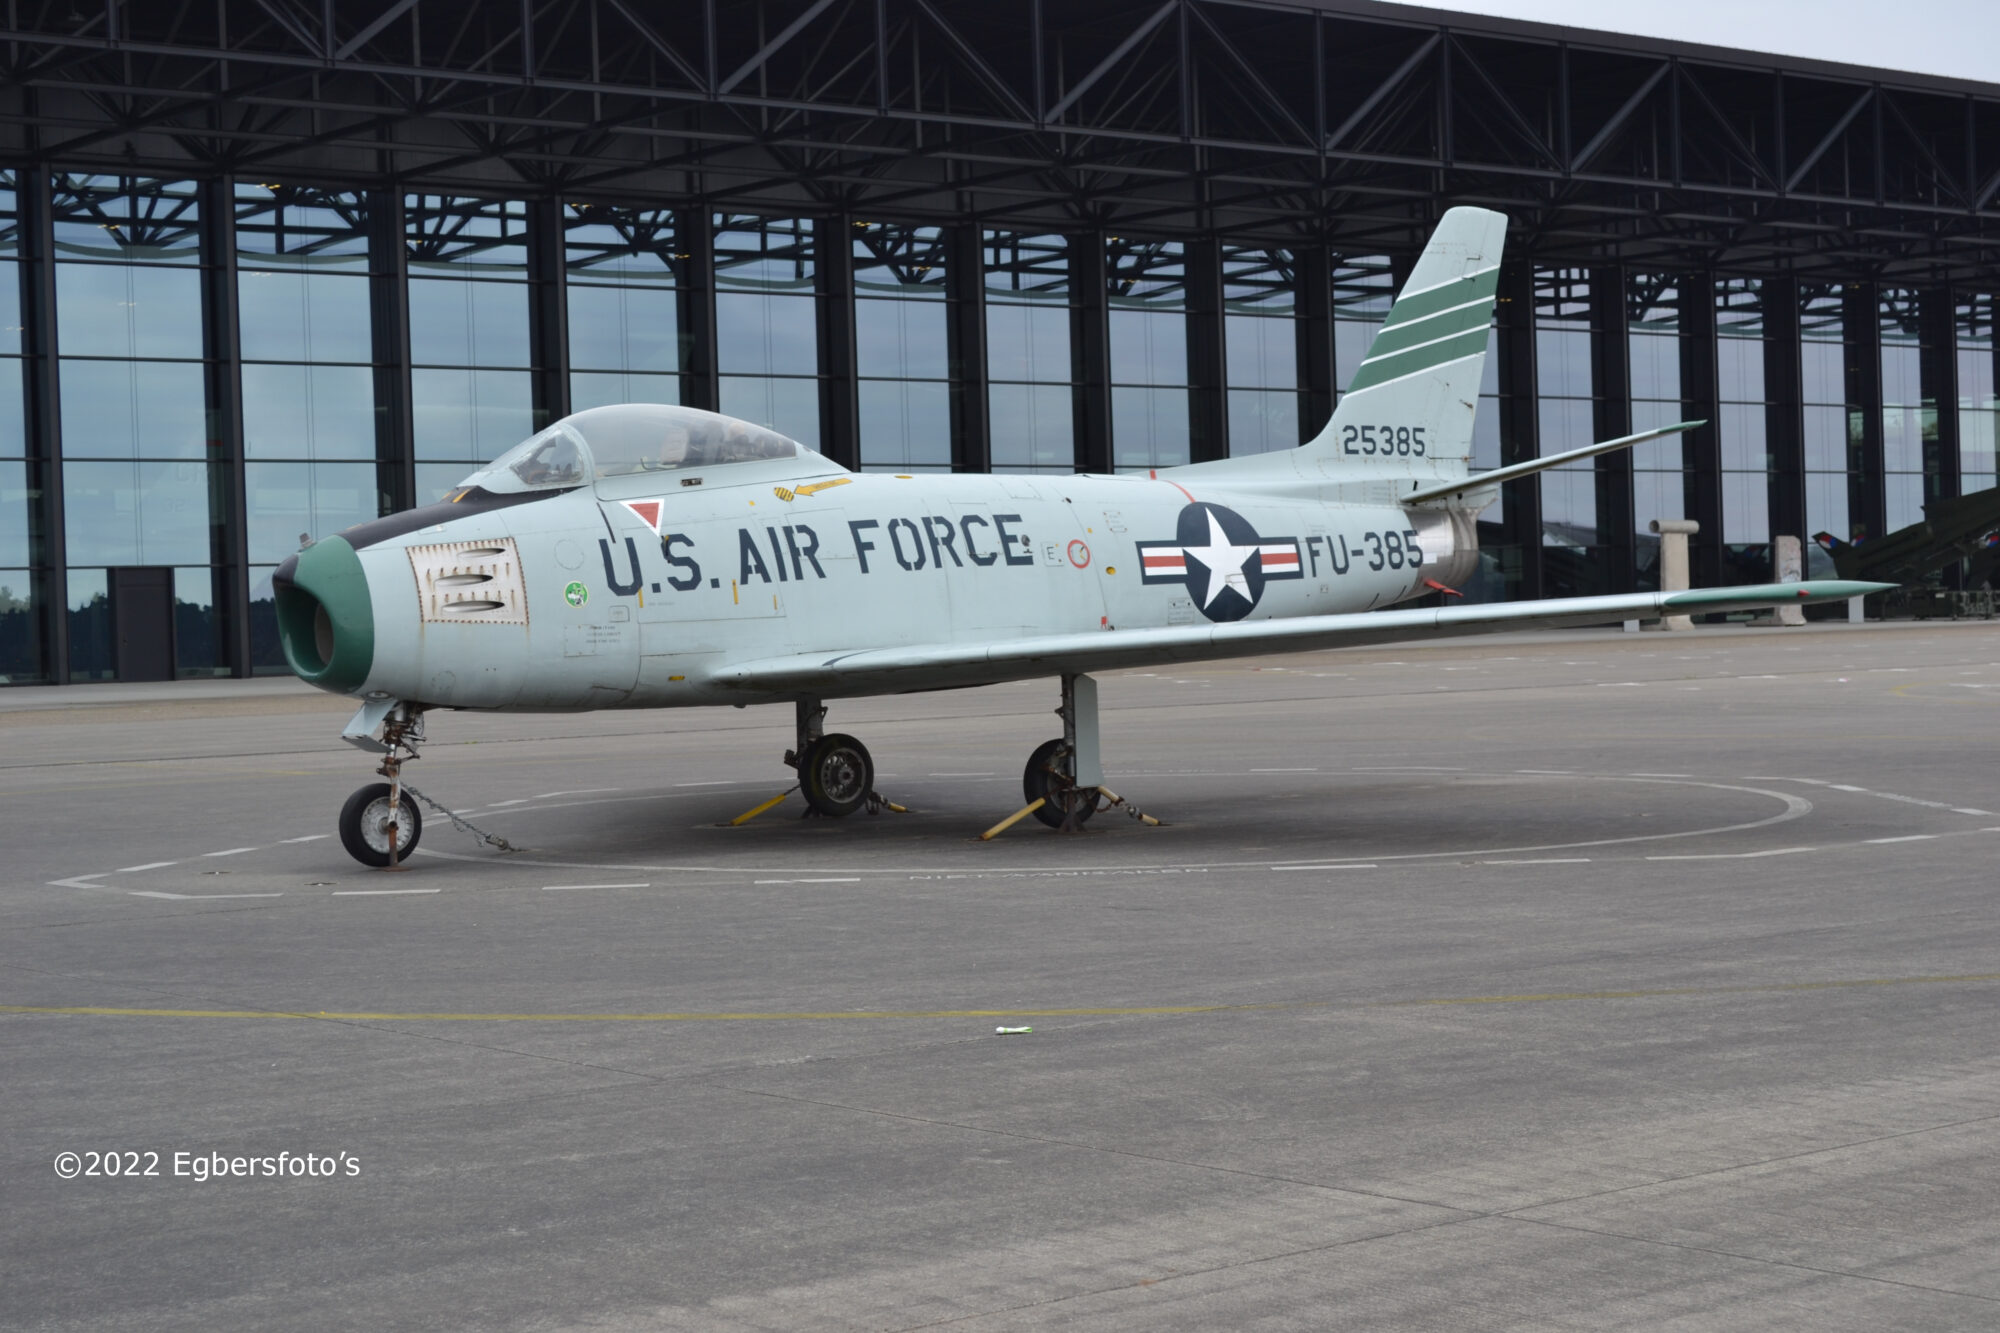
(1408, 410)
(1407, 414)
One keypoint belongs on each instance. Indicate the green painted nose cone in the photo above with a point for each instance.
(326, 620)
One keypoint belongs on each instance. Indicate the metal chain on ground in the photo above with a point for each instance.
(479, 833)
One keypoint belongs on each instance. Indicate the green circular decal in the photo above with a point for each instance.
(576, 594)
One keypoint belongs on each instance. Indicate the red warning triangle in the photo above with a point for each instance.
(647, 510)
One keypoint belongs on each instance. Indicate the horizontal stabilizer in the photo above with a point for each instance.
(1534, 465)
(943, 665)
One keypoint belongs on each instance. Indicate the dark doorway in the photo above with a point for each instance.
(142, 623)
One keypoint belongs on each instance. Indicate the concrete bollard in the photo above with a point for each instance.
(1674, 534)
(1788, 565)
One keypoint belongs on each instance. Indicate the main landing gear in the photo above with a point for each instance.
(1063, 783)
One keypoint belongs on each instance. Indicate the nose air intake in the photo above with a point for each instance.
(326, 619)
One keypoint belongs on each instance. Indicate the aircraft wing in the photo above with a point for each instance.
(943, 665)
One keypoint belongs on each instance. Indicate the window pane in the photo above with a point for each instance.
(471, 415)
(10, 309)
(133, 409)
(1903, 499)
(1032, 425)
(1826, 504)
(1569, 505)
(437, 480)
(128, 310)
(1028, 342)
(293, 316)
(1740, 365)
(1149, 427)
(890, 259)
(605, 244)
(1746, 513)
(126, 219)
(1743, 440)
(774, 254)
(1148, 347)
(1562, 362)
(905, 423)
(285, 500)
(1826, 439)
(1664, 453)
(1018, 266)
(903, 339)
(20, 629)
(458, 322)
(790, 407)
(89, 613)
(144, 513)
(1566, 423)
(308, 411)
(197, 642)
(13, 411)
(1262, 420)
(597, 388)
(761, 334)
(17, 504)
(624, 328)
(1261, 353)
(1657, 495)
(301, 228)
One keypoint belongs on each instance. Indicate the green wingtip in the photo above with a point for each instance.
(1805, 594)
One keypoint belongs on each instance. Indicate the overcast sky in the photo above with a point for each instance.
(1952, 37)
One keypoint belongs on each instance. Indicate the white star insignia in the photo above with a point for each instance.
(1223, 562)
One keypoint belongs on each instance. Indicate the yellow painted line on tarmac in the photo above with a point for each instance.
(1106, 1011)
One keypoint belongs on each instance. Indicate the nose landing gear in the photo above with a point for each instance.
(379, 825)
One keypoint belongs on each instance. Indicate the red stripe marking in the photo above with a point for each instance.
(1154, 473)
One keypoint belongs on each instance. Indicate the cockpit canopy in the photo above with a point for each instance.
(631, 439)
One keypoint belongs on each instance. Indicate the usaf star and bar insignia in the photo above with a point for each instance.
(1221, 560)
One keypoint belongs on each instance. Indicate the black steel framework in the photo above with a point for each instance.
(1340, 122)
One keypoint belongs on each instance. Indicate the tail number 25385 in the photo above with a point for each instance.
(1384, 441)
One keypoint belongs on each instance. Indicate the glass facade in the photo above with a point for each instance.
(142, 471)
(1746, 456)
(1260, 340)
(1653, 370)
(1564, 407)
(305, 327)
(1030, 365)
(1978, 409)
(196, 376)
(1909, 411)
(472, 393)
(23, 559)
(623, 274)
(766, 314)
(1148, 294)
(1830, 422)
(902, 339)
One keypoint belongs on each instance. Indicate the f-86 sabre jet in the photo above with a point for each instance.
(649, 556)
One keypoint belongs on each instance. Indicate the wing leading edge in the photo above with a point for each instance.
(943, 665)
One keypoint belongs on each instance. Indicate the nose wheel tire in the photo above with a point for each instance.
(836, 775)
(1047, 779)
(364, 826)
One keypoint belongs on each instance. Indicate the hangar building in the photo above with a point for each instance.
(273, 267)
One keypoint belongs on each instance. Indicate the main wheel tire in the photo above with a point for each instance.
(1046, 779)
(364, 826)
(837, 775)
